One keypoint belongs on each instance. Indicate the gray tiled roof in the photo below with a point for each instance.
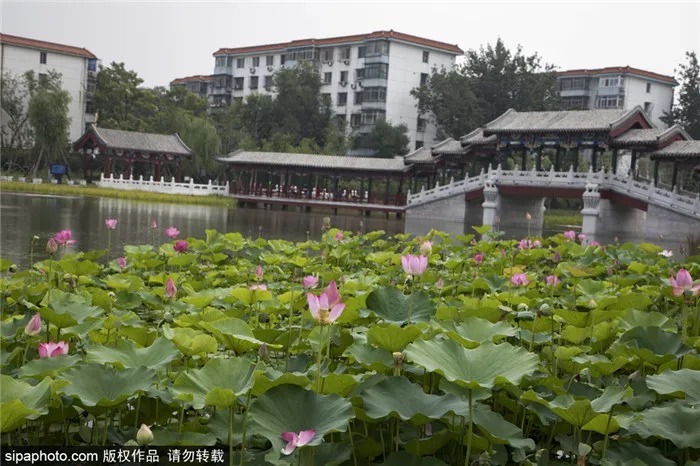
(648, 136)
(678, 149)
(328, 162)
(448, 146)
(561, 121)
(420, 155)
(142, 142)
(477, 138)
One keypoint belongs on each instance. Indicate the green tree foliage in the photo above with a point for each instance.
(489, 82)
(120, 101)
(15, 132)
(686, 111)
(48, 116)
(388, 140)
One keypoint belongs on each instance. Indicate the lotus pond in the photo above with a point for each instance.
(358, 350)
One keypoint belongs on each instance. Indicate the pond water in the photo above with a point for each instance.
(25, 215)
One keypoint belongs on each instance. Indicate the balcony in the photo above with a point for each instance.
(612, 90)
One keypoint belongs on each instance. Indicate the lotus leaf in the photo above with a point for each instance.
(677, 422)
(622, 454)
(190, 341)
(389, 304)
(219, 383)
(475, 330)
(482, 367)
(235, 334)
(20, 401)
(391, 337)
(650, 344)
(264, 381)
(498, 430)
(684, 381)
(403, 458)
(125, 354)
(67, 309)
(48, 366)
(99, 385)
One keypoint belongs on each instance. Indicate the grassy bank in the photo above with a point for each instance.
(558, 218)
(76, 190)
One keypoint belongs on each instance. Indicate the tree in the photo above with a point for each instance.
(686, 112)
(48, 115)
(14, 94)
(489, 82)
(120, 101)
(388, 140)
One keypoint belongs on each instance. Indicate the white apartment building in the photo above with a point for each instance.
(77, 66)
(617, 87)
(366, 77)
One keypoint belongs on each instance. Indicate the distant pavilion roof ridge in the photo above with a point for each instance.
(619, 70)
(119, 139)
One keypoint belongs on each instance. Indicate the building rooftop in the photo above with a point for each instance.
(391, 34)
(477, 138)
(133, 141)
(328, 162)
(190, 79)
(650, 135)
(45, 46)
(678, 149)
(618, 70)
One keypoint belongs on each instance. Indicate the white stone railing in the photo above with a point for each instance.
(641, 190)
(162, 186)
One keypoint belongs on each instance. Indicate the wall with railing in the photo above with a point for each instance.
(162, 186)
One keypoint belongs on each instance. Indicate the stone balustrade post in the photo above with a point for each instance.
(491, 203)
(590, 212)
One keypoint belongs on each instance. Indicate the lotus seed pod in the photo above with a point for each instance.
(144, 436)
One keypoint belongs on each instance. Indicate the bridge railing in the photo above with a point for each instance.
(162, 186)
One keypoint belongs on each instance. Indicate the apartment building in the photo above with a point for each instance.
(77, 66)
(619, 88)
(366, 77)
(198, 84)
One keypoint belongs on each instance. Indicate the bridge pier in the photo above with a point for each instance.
(590, 213)
(446, 214)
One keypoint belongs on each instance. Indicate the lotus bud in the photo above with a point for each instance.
(523, 307)
(398, 358)
(170, 289)
(557, 256)
(168, 317)
(528, 217)
(524, 316)
(592, 303)
(545, 310)
(35, 238)
(262, 351)
(144, 436)
(634, 376)
(259, 272)
(33, 326)
(51, 246)
(426, 248)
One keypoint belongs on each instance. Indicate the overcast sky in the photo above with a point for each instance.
(162, 41)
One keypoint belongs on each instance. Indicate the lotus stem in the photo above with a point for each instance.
(245, 428)
(108, 419)
(289, 343)
(352, 444)
(470, 431)
(230, 434)
(136, 415)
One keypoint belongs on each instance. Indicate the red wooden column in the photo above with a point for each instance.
(107, 159)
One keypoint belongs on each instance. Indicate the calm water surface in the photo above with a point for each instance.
(25, 215)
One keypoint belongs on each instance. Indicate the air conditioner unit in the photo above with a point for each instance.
(329, 63)
(353, 85)
(270, 68)
(343, 83)
(347, 62)
(359, 83)
(252, 71)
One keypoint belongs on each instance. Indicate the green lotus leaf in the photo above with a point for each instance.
(400, 397)
(44, 367)
(603, 424)
(235, 334)
(250, 297)
(5, 264)
(124, 282)
(218, 383)
(612, 395)
(20, 401)
(677, 422)
(389, 304)
(99, 385)
(474, 330)
(391, 337)
(650, 344)
(218, 425)
(271, 378)
(289, 408)
(10, 327)
(623, 454)
(576, 412)
(340, 384)
(190, 439)
(80, 267)
(67, 309)
(190, 341)
(498, 430)
(684, 381)
(126, 354)
(372, 358)
(404, 458)
(599, 365)
(429, 445)
(485, 366)
(182, 260)
(633, 318)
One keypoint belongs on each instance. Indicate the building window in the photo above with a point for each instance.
(609, 101)
(361, 52)
(377, 70)
(253, 82)
(345, 53)
(328, 55)
(648, 88)
(42, 58)
(240, 63)
(355, 120)
(570, 84)
(377, 48)
(220, 61)
(423, 79)
(238, 100)
(92, 64)
(358, 97)
(343, 76)
(270, 60)
(229, 62)
(360, 73)
(328, 77)
(419, 144)
(370, 118)
(256, 62)
(374, 94)
(238, 83)
(268, 82)
(283, 59)
(340, 120)
(647, 107)
(420, 124)
(342, 98)
(426, 57)
(611, 81)
(574, 103)
(326, 99)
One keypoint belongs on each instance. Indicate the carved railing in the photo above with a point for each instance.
(684, 203)
(162, 186)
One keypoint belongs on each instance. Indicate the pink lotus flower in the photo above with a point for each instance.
(33, 326)
(581, 236)
(63, 238)
(595, 244)
(426, 248)
(51, 246)
(121, 262)
(52, 349)
(310, 282)
(478, 259)
(570, 235)
(295, 440)
(414, 265)
(111, 223)
(259, 273)
(528, 244)
(181, 246)
(170, 288)
(339, 236)
(440, 283)
(172, 232)
(553, 280)
(683, 282)
(557, 256)
(154, 224)
(258, 286)
(519, 279)
(327, 307)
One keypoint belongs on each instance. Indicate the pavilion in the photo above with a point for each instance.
(121, 150)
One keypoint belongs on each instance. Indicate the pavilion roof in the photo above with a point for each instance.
(327, 162)
(649, 135)
(420, 155)
(568, 121)
(477, 138)
(448, 146)
(133, 141)
(678, 150)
